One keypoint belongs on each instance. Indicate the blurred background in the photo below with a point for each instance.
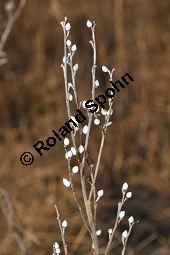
(133, 36)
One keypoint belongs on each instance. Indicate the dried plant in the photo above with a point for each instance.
(15, 232)
(13, 13)
(13, 229)
(79, 150)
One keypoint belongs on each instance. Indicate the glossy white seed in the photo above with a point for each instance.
(56, 245)
(124, 186)
(89, 23)
(85, 129)
(100, 193)
(98, 232)
(66, 141)
(81, 149)
(110, 231)
(124, 234)
(67, 26)
(75, 169)
(97, 83)
(96, 122)
(129, 195)
(104, 69)
(74, 47)
(68, 43)
(64, 224)
(73, 150)
(66, 182)
(131, 219)
(121, 214)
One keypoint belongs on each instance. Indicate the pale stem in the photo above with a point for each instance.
(120, 204)
(10, 23)
(61, 231)
(125, 243)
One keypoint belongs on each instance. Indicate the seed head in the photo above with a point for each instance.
(68, 154)
(68, 26)
(85, 129)
(66, 141)
(129, 194)
(66, 182)
(75, 169)
(103, 112)
(105, 69)
(124, 187)
(98, 232)
(75, 67)
(110, 231)
(121, 214)
(56, 245)
(96, 122)
(81, 149)
(124, 234)
(97, 83)
(131, 219)
(64, 224)
(73, 150)
(68, 43)
(74, 47)
(100, 193)
(89, 23)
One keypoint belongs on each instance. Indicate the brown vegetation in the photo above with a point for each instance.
(132, 36)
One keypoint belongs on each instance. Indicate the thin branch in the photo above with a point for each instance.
(61, 231)
(75, 197)
(125, 243)
(8, 28)
(120, 204)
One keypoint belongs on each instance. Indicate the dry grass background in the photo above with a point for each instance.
(131, 35)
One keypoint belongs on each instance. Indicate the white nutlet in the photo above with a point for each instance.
(68, 154)
(83, 104)
(66, 141)
(56, 245)
(64, 60)
(74, 47)
(68, 43)
(85, 129)
(103, 112)
(75, 67)
(110, 231)
(66, 182)
(57, 251)
(96, 122)
(100, 193)
(124, 187)
(109, 112)
(98, 232)
(75, 169)
(70, 97)
(73, 150)
(121, 214)
(64, 224)
(124, 234)
(129, 194)
(9, 6)
(89, 23)
(73, 118)
(131, 219)
(68, 26)
(105, 69)
(81, 149)
(97, 83)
